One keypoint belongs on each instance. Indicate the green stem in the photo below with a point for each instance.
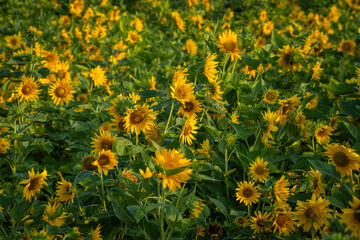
(226, 170)
(77, 198)
(168, 121)
(233, 70)
(102, 190)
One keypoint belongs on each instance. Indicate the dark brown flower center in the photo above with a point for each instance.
(229, 46)
(106, 144)
(137, 117)
(311, 213)
(189, 106)
(346, 47)
(357, 215)
(26, 89)
(121, 125)
(60, 92)
(315, 182)
(248, 192)
(14, 41)
(180, 93)
(103, 160)
(35, 183)
(61, 74)
(281, 219)
(288, 59)
(340, 159)
(87, 163)
(187, 130)
(259, 170)
(260, 222)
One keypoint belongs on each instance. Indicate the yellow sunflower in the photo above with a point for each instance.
(313, 213)
(210, 66)
(28, 89)
(119, 123)
(247, 193)
(317, 185)
(172, 159)
(258, 170)
(4, 145)
(287, 105)
(261, 222)
(52, 216)
(107, 160)
(34, 183)
(61, 92)
(284, 223)
(87, 163)
(345, 159)
(271, 118)
(196, 210)
(205, 148)
(96, 234)
(62, 70)
(214, 90)
(182, 91)
(187, 134)
(281, 192)
(104, 141)
(139, 119)
(191, 47)
(322, 133)
(98, 76)
(241, 222)
(63, 193)
(147, 173)
(317, 70)
(228, 43)
(14, 41)
(153, 133)
(133, 37)
(189, 108)
(347, 46)
(287, 58)
(351, 217)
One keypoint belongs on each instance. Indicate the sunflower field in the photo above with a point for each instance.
(179, 119)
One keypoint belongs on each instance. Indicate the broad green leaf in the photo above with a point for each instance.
(80, 177)
(149, 93)
(148, 160)
(220, 206)
(19, 211)
(340, 89)
(354, 131)
(324, 168)
(123, 146)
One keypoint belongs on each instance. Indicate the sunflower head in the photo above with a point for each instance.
(247, 193)
(347, 46)
(139, 119)
(107, 160)
(258, 170)
(34, 183)
(61, 92)
(28, 89)
(104, 141)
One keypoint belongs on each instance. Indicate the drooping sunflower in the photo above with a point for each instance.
(172, 159)
(139, 119)
(271, 96)
(258, 170)
(189, 108)
(190, 128)
(52, 216)
(61, 92)
(284, 223)
(287, 58)
(317, 185)
(196, 209)
(281, 192)
(210, 66)
(34, 183)
(351, 217)
(61, 69)
(154, 134)
(191, 47)
(261, 222)
(4, 145)
(205, 148)
(14, 41)
(347, 46)
(322, 133)
(247, 193)
(28, 89)
(312, 213)
(104, 141)
(182, 91)
(228, 43)
(96, 234)
(63, 193)
(98, 76)
(107, 160)
(271, 118)
(214, 90)
(345, 159)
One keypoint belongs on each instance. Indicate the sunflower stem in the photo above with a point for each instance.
(168, 121)
(102, 189)
(226, 170)
(233, 70)
(77, 198)
(137, 139)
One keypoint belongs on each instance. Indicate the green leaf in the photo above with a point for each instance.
(80, 177)
(123, 146)
(204, 177)
(220, 206)
(171, 172)
(254, 63)
(352, 108)
(325, 168)
(137, 211)
(212, 106)
(19, 211)
(188, 153)
(172, 215)
(122, 213)
(148, 160)
(354, 131)
(340, 89)
(149, 93)
(277, 40)
(241, 132)
(38, 117)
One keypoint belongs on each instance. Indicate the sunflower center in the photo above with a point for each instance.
(187, 130)
(35, 184)
(87, 163)
(60, 92)
(26, 90)
(240, 220)
(259, 170)
(189, 106)
(357, 215)
(103, 160)
(340, 159)
(121, 125)
(106, 144)
(281, 219)
(133, 37)
(180, 93)
(14, 41)
(61, 74)
(270, 96)
(288, 58)
(322, 133)
(247, 192)
(137, 117)
(346, 47)
(311, 213)
(229, 46)
(315, 182)
(260, 222)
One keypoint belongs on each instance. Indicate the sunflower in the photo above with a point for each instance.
(281, 192)
(322, 133)
(52, 215)
(312, 213)
(147, 173)
(286, 106)
(347, 46)
(61, 92)
(267, 28)
(258, 170)
(189, 108)
(62, 70)
(345, 159)
(139, 119)
(172, 159)
(106, 161)
(210, 66)
(98, 76)
(34, 183)
(317, 70)
(187, 134)
(247, 193)
(104, 141)
(287, 58)
(261, 222)
(214, 90)
(106, 126)
(133, 37)
(284, 223)
(63, 193)
(248, 70)
(317, 185)
(154, 134)
(313, 102)
(191, 47)
(228, 43)
(196, 210)
(14, 41)
(96, 234)
(271, 118)
(351, 217)
(182, 91)
(4, 145)
(241, 222)
(205, 148)
(119, 123)
(87, 163)
(200, 231)
(28, 89)
(234, 118)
